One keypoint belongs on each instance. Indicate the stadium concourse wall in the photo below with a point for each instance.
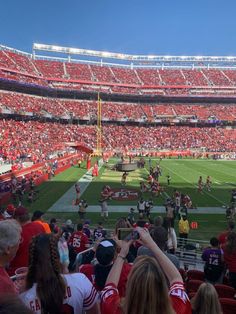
(64, 163)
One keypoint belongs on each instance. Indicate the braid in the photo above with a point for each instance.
(30, 279)
(50, 284)
(54, 256)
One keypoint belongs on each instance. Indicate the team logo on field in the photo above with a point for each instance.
(125, 194)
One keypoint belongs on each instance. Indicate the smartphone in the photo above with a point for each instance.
(127, 234)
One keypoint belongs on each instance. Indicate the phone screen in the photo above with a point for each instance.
(127, 234)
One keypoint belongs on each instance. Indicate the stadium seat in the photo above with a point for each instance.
(195, 274)
(193, 285)
(228, 305)
(225, 291)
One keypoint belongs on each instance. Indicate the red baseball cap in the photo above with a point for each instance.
(10, 209)
(20, 211)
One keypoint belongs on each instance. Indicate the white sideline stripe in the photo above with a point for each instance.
(125, 209)
(65, 201)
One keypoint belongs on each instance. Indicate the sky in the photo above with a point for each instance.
(167, 27)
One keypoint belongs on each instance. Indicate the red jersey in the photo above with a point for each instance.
(230, 260)
(110, 299)
(6, 284)
(79, 241)
(21, 259)
(88, 270)
(223, 237)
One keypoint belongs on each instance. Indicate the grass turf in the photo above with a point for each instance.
(184, 176)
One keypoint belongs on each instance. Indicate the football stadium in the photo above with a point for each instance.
(111, 161)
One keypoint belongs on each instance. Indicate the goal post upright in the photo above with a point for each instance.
(99, 126)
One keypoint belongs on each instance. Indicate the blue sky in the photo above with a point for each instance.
(173, 27)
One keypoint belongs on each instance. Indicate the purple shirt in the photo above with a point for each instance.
(212, 256)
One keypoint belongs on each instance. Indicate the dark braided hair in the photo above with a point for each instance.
(45, 269)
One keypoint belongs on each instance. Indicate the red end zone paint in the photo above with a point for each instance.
(125, 194)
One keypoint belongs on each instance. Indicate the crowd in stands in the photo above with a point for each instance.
(23, 68)
(84, 109)
(36, 141)
(61, 267)
(137, 137)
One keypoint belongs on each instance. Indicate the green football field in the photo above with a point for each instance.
(184, 176)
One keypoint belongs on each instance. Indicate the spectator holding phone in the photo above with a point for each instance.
(147, 290)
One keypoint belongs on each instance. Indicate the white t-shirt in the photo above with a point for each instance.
(80, 295)
(172, 239)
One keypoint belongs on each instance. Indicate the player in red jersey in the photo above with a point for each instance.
(200, 184)
(208, 183)
(147, 290)
(78, 240)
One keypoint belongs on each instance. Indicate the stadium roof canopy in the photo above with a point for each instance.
(128, 57)
(68, 54)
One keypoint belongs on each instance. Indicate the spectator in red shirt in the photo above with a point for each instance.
(106, 253)
(147, 290)
(78, 240)
(223, 236)
(230, 257)
(10, 237)
(29, 230)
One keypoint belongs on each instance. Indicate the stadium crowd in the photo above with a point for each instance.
(37, 141)
(85, 110)
(66, 268)
(115, 79)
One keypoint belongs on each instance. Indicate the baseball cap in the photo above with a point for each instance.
(10, 209)
(37, 214)
(20, 211)
(105, 252)
(68, 222)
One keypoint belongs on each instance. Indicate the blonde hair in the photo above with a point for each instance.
(206, 300)
(147, 290)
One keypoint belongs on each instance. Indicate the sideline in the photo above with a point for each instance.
(64, 203)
